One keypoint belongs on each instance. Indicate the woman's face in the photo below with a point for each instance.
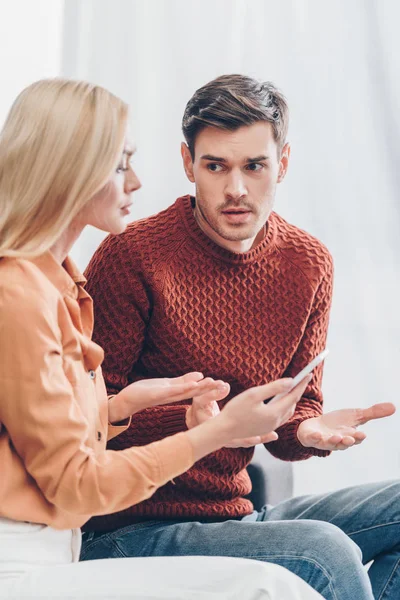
(107, 209)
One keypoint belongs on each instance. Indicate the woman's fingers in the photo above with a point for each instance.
(285, 406)
(295, 394)
(218, 388)
(253, 441)
(266, 391)
(192, 389)
(193, 376)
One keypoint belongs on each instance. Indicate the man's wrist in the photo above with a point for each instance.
(189, 418)
(298, 434)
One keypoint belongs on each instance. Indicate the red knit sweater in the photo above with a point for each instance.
(168, 300)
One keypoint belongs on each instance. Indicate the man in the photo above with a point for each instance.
(221, 284)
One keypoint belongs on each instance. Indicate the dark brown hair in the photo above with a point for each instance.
(231, 101)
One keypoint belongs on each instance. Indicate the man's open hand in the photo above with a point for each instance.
(337, 430)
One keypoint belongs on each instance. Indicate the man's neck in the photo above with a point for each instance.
(238, 246)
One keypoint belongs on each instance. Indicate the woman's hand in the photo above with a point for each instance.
(205, 407)
(152, 392)
(246, 416)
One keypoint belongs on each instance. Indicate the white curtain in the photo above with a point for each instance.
(30, 45)
(338, 64)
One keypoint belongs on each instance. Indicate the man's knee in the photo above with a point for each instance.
(330, 545)
(277, 582)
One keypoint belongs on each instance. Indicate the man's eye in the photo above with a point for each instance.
(255, 167)
(214, 167)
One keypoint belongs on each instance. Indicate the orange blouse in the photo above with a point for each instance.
(54, 466)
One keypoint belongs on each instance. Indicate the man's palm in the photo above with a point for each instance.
(337, 430)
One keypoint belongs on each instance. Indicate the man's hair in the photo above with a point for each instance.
(231, 101)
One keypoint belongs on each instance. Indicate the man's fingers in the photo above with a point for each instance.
(348, 441)
(315, 437)
(377, 411)
(359, 436)
(317, 440)
(269, 437)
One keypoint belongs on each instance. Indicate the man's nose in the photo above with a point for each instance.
(235, 186)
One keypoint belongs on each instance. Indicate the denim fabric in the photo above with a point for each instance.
(325, 539)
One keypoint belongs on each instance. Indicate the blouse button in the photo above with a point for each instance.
(92, 374)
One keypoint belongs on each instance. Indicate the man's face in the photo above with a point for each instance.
(236, 173)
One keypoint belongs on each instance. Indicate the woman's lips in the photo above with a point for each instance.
(126, 208)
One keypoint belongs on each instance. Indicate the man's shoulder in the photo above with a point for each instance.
(143, 239)
(149, 230)
(302, 249)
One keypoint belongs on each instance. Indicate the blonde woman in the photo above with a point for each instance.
(65, 164)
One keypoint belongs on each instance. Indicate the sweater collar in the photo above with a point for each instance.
(185, 206)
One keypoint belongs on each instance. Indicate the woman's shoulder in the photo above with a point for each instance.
(21, 281)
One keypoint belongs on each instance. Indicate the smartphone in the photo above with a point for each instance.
(304, 372)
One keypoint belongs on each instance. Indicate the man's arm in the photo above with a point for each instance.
(122, 306)
(288, 447)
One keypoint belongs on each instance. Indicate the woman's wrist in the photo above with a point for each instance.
(117, 411)
(210, 436)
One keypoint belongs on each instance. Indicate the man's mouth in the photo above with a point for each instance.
(237, 215)
(235, 211)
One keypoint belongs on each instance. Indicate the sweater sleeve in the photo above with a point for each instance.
(313, 341)
(122, 309)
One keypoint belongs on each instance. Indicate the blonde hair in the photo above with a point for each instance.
(58, 147)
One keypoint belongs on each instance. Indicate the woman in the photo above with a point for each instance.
(64, 164)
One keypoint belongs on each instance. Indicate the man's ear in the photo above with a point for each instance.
(284, 162)
(187, 161)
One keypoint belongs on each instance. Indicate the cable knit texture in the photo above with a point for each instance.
(168, 300)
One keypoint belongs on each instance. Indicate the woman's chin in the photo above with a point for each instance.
(115, 227)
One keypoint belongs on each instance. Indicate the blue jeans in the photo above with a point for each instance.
(325, 539)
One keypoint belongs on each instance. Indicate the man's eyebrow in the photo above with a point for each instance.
(223, 160)
(213, 158)
(257, 158)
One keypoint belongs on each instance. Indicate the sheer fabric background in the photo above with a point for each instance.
(338, 64)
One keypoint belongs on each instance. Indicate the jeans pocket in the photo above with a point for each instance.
(93, 544)
(128, 529)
